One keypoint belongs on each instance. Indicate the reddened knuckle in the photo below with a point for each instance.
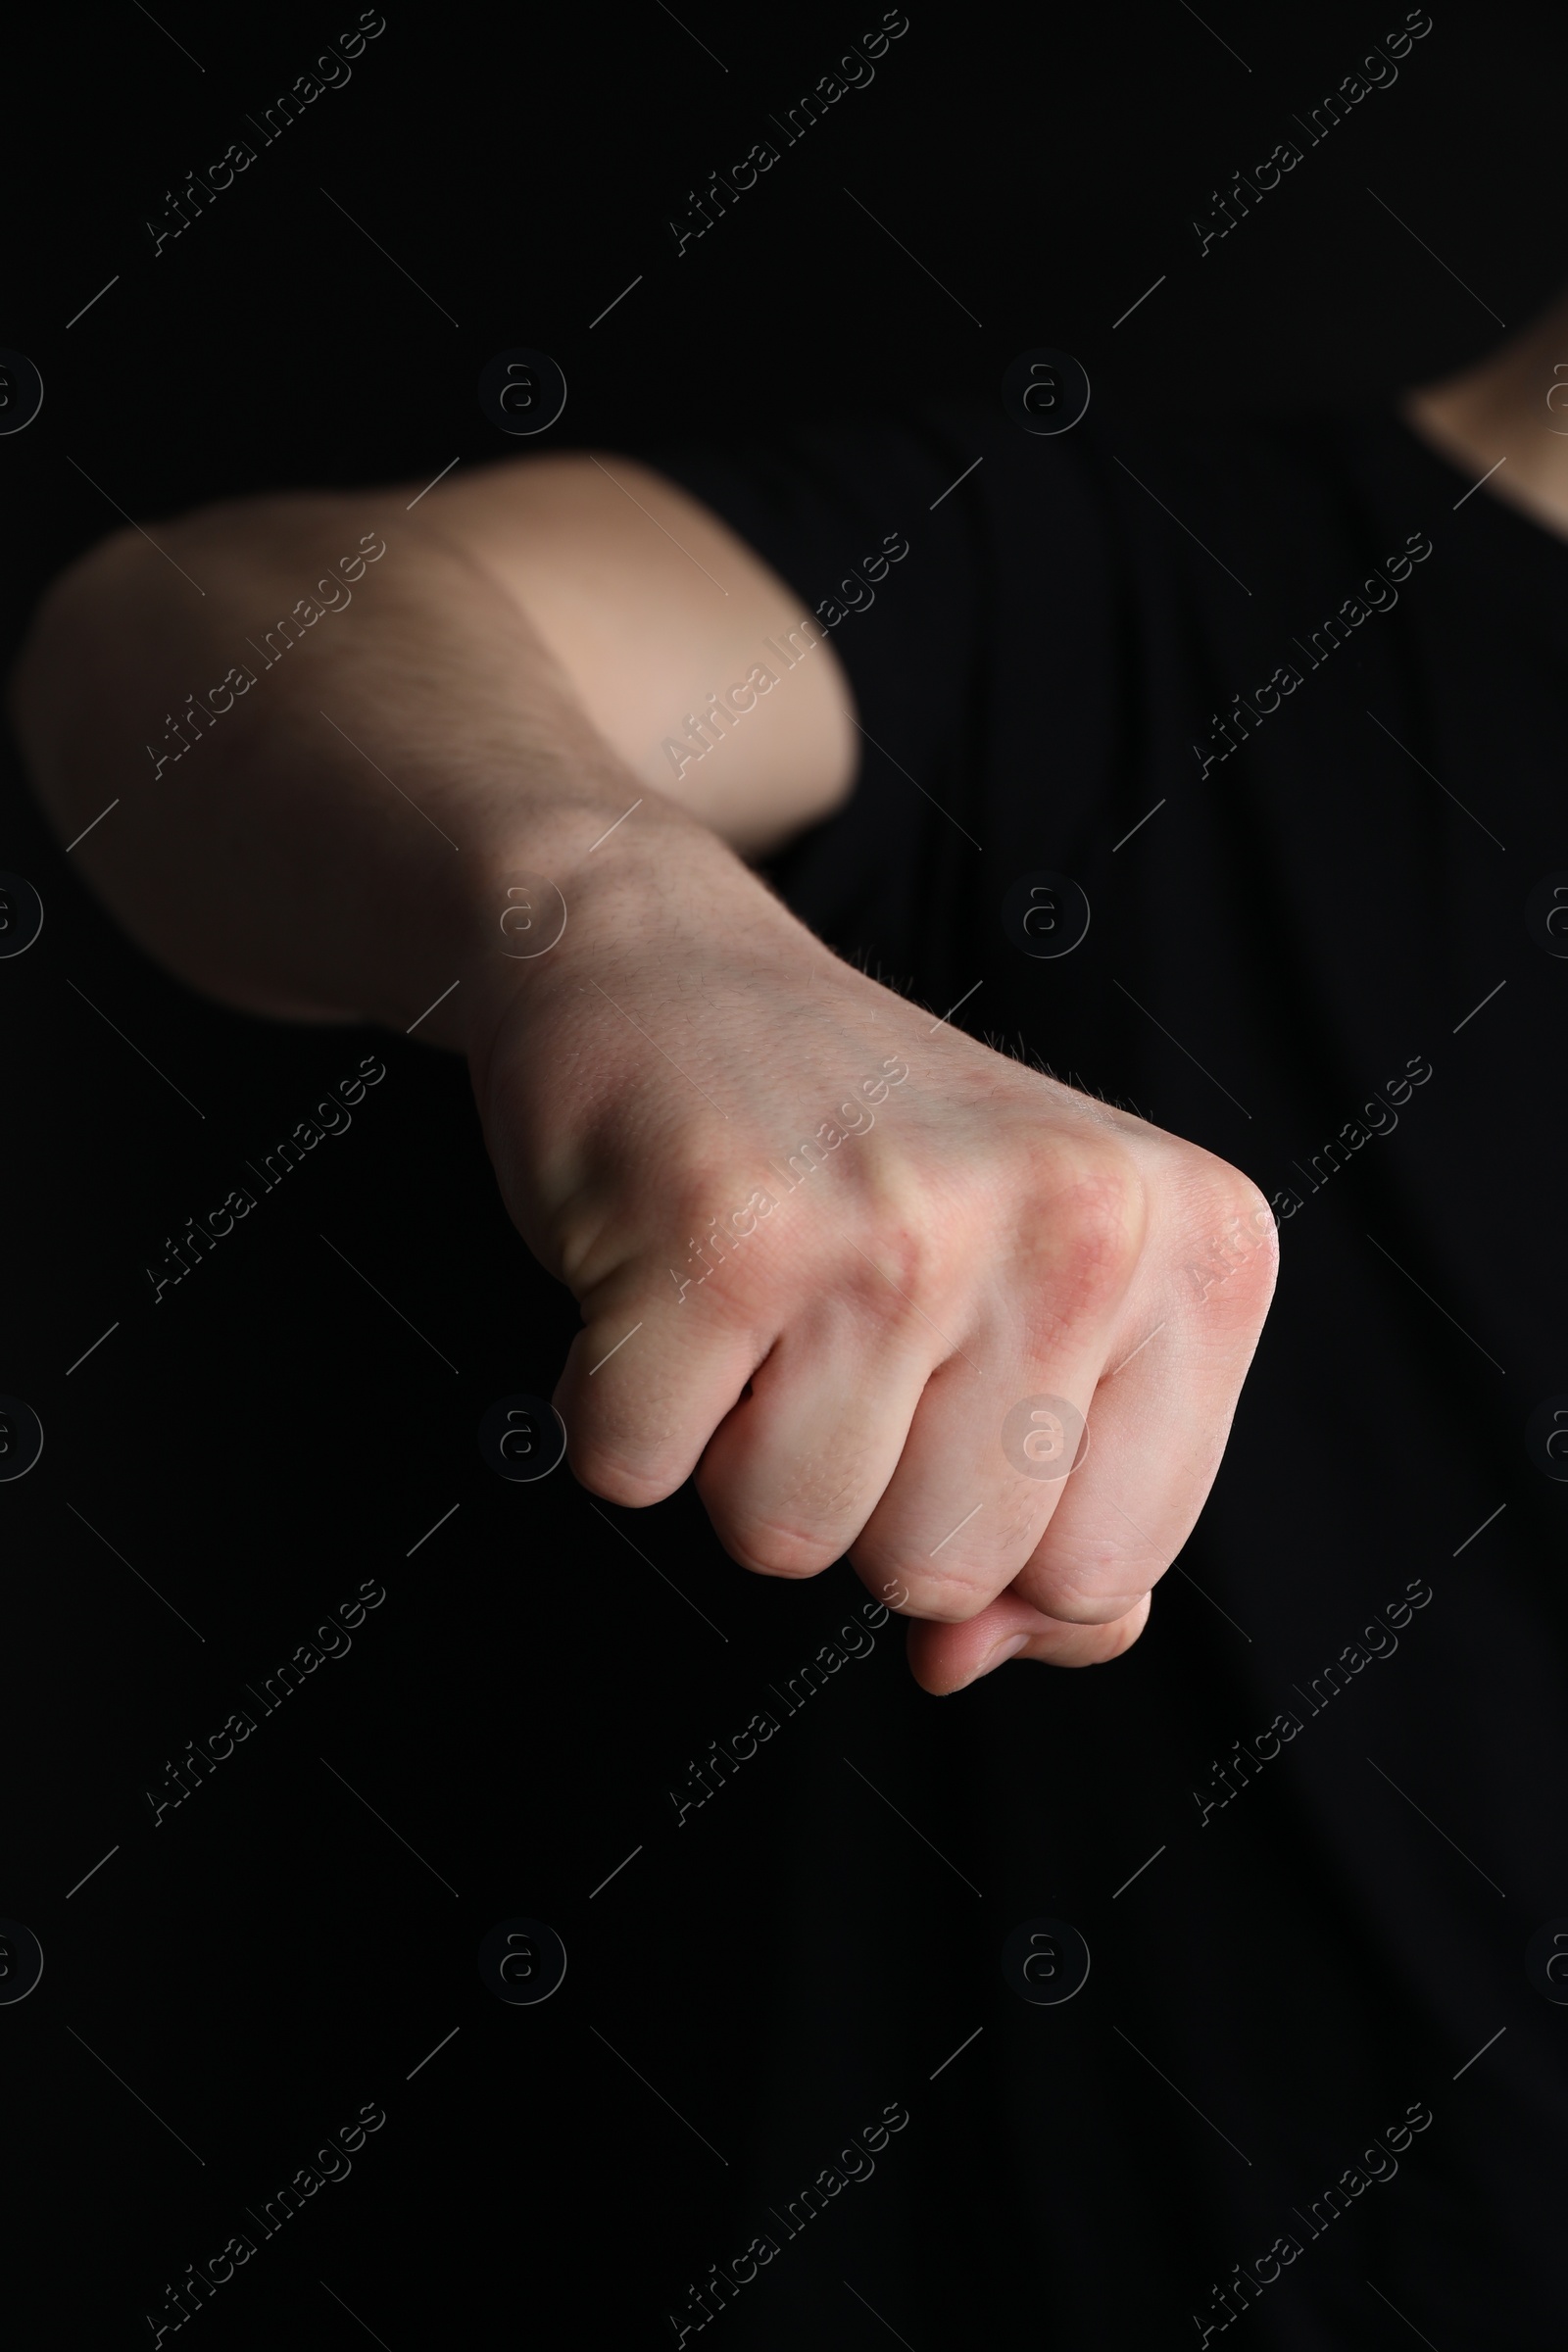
(1100, 1216)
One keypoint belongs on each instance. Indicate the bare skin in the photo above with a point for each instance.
(1511, 412)
(973, 1235)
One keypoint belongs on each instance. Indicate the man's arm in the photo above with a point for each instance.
(654, 609)
(840, 1265)
(519, 651)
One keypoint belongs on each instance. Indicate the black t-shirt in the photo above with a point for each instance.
(1287, 705)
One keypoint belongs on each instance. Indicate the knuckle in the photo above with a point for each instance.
(622, 1446)
(1245, 1207)
(771, 1547)
(1078, 1603)
(613, 1479)
(897, 1270)
(1232, 1232)
(1092, 1215)
(704, 1179)
(1222, 1192)
(952, 1598)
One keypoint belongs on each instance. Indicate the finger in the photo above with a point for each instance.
(1160, 1420)
(795, 1470)
(645, 1384)
(957, 1522)
(998, 1430)
(943, 1658)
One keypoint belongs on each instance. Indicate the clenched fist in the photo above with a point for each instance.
(885, 1292)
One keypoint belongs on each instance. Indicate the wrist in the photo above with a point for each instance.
(554, 908)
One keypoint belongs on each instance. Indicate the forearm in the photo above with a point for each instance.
(330, 834)
(826, 1333)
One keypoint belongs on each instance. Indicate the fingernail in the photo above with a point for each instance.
(1003, 1652)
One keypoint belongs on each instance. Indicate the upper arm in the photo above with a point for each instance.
(658, 614)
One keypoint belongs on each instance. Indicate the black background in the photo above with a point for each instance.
(271, 1956)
